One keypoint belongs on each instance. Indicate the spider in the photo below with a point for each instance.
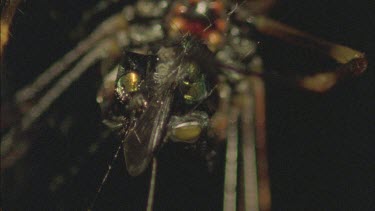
(142, 30)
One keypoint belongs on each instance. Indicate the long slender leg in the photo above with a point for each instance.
(107, 47)
(261, 144)
(248, 146)
(340, 53)
(231, 162)
(352, 62)
(224, 125)
(246, 187)
(321, 82)
(151, 191)
(95, 11)
(108, 27)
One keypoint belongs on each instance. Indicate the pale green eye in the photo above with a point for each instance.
(128, 83)
(186, 132)
(187, 128)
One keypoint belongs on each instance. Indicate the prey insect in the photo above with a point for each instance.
(191, 81)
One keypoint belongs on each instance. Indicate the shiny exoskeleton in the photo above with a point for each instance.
(177, 71)
(147, 90)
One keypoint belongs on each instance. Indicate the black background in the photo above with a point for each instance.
(320, 145)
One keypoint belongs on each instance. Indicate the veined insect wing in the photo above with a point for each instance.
(142, 140)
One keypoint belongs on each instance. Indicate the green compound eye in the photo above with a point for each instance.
(194, 84)
(127, 84)
(193, 73)
(196, 92)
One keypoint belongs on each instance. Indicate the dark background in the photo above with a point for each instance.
(320, 145)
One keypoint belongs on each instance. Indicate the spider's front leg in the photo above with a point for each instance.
(350, 62)
(109, 47)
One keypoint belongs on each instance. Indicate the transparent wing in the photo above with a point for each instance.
(145, 137)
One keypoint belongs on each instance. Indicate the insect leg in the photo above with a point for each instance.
(95, 11)
(231, 163)
(261, 144)
(340, 53)
(248, 192)
(219, 121)
(246, 185)
(108, 27)
(323, 81)
(151, 192)
(108, 47)
(225, 125)
(352, 62)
